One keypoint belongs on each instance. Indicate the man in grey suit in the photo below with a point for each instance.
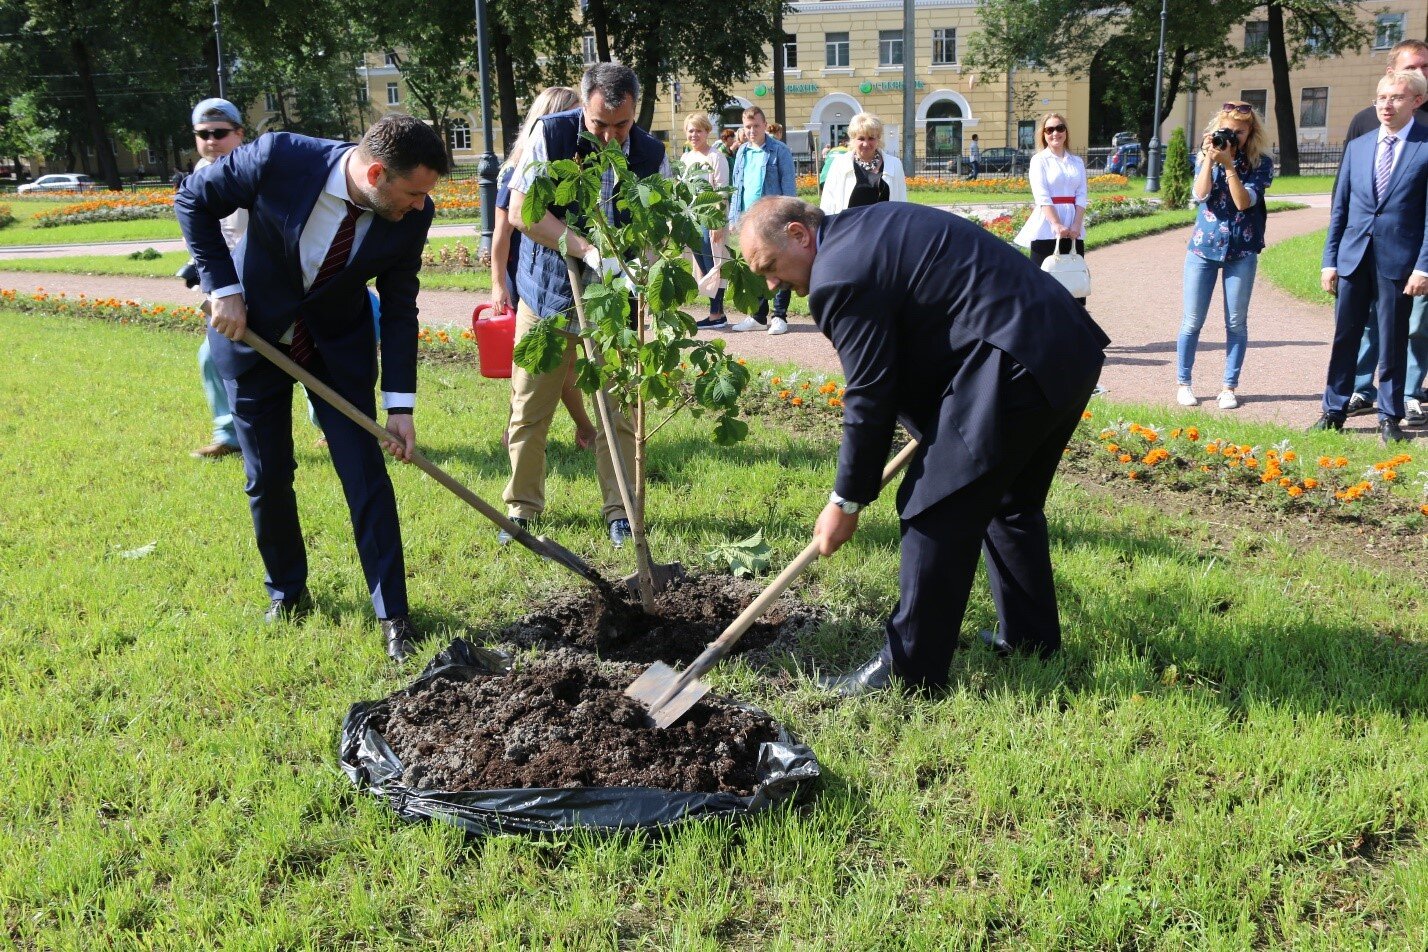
(1376, 253)
(988, 362)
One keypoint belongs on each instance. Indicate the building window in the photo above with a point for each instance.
(460, 135)
(790, 51)
(1387, 30)
(944, 47)
(1026, 134)
(835, 46)
(1257, 98)
(889, 47)
(390, 58)
(1257, 37)
(363, 95)
(394, 97)
(1314, 107)
(151, 156)
(589, 51)
(1316, 38)
(271, 101)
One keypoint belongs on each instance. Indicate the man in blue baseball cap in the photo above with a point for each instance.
(217, 131)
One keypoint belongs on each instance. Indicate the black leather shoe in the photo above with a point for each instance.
(1390, 432)
(401, 637)
(504, 538)
(1327, 422)
(289, 609)
(995, 641)
(876, 675)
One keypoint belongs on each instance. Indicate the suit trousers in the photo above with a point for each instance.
(262, 402)
(1364, 296)
(534, 398)
(999, 514)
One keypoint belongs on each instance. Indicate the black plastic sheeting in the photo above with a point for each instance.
(371, 764)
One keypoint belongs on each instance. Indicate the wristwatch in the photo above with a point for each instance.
(848, 506)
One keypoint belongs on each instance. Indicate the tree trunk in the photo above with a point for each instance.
(1283, 96)
(108, 168)
(505, 87)
(595, 16)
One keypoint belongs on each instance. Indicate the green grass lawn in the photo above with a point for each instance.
(1232, 752)
(1294, 266)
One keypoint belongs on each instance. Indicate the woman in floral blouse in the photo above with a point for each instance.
(1229, 188)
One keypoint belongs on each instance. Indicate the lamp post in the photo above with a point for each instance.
(218, 50)
(909, 85)
(1152, 164)
(487, 166)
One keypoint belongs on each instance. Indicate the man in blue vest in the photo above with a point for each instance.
(609, 96)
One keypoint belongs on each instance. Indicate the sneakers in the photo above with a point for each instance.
(1227, 400)
(215, 450)
(747, 324)
(1413, 412)
(619, 532)
(1359, 405)
(778, 326)
(504, 538)
(1185, 396)
(712, 322)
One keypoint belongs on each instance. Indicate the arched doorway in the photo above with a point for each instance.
(944, 131)
(732, 115)
(830, 117)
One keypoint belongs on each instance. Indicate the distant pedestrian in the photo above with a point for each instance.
(763, 166)
(974, 156)
(710, 165)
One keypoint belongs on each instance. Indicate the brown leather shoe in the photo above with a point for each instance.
(215, 451)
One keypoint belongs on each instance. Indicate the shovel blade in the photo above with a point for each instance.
(663, 574)
(656, 681)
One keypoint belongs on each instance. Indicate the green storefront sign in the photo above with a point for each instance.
(793, 89)
(890, 86)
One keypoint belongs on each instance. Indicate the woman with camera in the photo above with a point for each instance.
(1059, 192)
(1231, 177)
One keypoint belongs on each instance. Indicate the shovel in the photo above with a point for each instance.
(668, 694)
(540, 545)
(660, 574)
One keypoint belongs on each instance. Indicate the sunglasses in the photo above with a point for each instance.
(218, 134)
(1237, 108)
(1050, 129)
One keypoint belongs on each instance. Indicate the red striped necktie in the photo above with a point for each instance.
(336, 259)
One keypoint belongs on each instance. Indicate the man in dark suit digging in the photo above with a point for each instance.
(324, 218)
(988, 361)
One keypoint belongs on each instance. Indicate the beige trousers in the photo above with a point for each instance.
(534, 399)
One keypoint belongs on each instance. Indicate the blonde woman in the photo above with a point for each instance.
(506, 245)
(865, 174)
(1058, 190)
(710, 164)
(1231, 176)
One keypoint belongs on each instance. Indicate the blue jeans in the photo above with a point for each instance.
(705, 259)
(1413, 382)
(1199, 287)
(217, 397)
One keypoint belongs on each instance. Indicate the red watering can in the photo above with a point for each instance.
(495, 340)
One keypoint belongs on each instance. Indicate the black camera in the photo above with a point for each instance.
(1225, 139)
(189, 273)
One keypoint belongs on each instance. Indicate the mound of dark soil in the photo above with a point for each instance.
(563, 721)
(688, 616)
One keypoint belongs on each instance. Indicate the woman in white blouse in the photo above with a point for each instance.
(865, 174)
(1058, 191)
(712, 166)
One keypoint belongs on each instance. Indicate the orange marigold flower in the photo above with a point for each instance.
(1341, 461)
(797, 401)
(1233, 463)
(1193, 433)
(1390, 474)
(741, 361)
(1133, 475)
(1112, 448)
(1424, 509)
(1125, 457)
(1295, 492)
(1085, 414)
(1204, 469)
(1175, 433)
(1251, 462)
(1290, 455)
(776, 381)
(1325, 462)
(1311, 483)
(785, 394)
(1285, 481)
(805, 385)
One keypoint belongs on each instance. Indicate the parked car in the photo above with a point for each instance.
(60, 183)
(1123, 138)
(1125, 159)
(1005, 160)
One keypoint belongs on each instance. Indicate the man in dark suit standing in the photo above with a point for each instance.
(988, 362)
(1376, 252)
(324, 218)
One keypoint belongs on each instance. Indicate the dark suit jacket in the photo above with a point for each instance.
(907, 294)
(1394, 222)
(278, 179)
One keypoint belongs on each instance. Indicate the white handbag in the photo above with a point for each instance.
(1070, 269)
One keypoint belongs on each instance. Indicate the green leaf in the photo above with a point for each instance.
(542, 348)
(566, 191)
(745, 558)
(730, 430)
(564, 168)
(671, 285)
(607, 307)
(539, 197)
(746, 289)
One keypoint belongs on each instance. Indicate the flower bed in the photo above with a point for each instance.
(1098, 212)
(1184, 459)
(457, 199)
(125, 208)
(455, 257)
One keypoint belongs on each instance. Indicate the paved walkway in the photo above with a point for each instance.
(1137, 299)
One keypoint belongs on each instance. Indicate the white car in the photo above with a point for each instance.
(60, 183)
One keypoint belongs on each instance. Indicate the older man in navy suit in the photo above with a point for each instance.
(324, 218)
(1376, 253)
(988, 361)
